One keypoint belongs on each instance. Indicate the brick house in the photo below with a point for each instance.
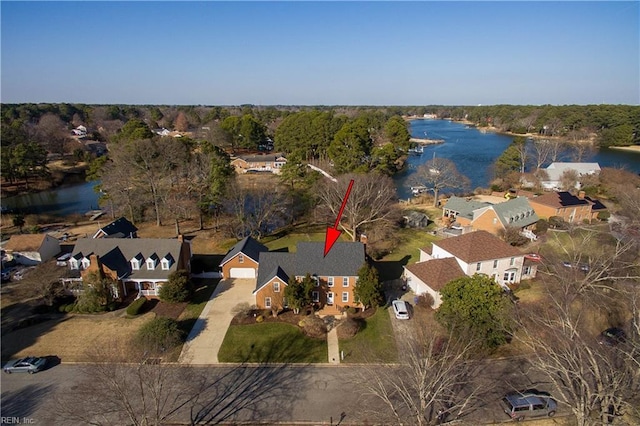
(136, 264)
(335, 275)
(571, 208)
(242, 260)
(482, 216)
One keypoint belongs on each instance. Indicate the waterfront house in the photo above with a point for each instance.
(555, 171)
(474, 215)
(140, 265)
(569, 207)
(260, 163)
(119, 228)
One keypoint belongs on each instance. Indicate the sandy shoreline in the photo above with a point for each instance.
(632, 148)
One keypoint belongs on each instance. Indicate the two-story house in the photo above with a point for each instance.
(474, 253)
(335, 275)
(136, 264)
(571, 208)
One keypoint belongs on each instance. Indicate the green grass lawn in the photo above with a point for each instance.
(410, 241)
(271, 342)
(373, 343)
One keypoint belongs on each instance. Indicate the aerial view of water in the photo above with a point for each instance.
(61, 201)
(474, 152)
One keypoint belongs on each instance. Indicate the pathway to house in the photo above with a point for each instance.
(207, 334)
(332, 344)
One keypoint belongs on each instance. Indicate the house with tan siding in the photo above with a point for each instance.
(335, 275)
(261, 163)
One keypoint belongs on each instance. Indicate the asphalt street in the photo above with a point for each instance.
(321, 394)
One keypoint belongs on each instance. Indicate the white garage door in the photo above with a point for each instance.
(242, 273)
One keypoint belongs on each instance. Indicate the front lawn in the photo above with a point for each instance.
(373, 343)
(271, 342)
(410, 241)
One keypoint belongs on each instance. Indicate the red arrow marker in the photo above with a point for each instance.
(333, 234)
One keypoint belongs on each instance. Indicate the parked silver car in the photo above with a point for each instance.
(30, 364)
(529, 403)
(401, 309)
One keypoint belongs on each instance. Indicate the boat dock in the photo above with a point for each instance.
(426, 141)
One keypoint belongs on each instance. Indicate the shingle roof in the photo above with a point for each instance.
(25, 242)
(119, 228)
(248, 246)
(559, 200)
(477, 246)
(116, 254)
(436, 273)
(516, 212)
(344, 259)
(261, 158)
(464, 207)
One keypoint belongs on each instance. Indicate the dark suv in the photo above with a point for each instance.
(519, 405)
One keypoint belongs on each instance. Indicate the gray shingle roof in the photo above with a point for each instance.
(116, 254)
(344, 259)
(516, 212)
(464, 207)
(248, 246)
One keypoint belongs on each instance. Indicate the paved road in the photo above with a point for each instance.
(302, 394)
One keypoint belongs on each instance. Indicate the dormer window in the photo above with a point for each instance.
(166, 262)
(136, 262)
(85, 263)
(152, 262)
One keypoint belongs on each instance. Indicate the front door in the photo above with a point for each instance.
(330, 298)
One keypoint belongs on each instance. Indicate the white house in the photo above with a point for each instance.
(32, 249)
(474, 253)
(556, 170)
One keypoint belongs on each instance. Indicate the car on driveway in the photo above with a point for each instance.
(30, 364)
(401, 309)
(528, 403)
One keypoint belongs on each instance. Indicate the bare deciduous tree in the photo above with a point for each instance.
(438, 174)
(370, 202)
(434, 383)
(542, 149)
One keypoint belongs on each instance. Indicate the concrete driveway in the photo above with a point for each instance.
(206, 337)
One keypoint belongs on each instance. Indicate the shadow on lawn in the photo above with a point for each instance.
(391, 270)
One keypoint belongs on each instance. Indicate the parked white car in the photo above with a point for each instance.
(401, 309)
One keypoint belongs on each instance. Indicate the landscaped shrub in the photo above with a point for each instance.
(349, 328)
(541, 226)
(313, 326)
(90, 301)
(69, 307)
(136, 306)
(158, 335)
(177, 289)
(62, 308)
(425, 300)
(604, 215)
(259, 318)
(557, 222)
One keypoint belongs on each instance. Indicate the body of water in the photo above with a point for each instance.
(475, 152)
(61, 201)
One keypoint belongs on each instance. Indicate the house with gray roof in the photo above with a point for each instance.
(119, 228)
(556, 170)
(139, 265)
(335, 275)
(242, 260)
(475, 215)
(259, 163)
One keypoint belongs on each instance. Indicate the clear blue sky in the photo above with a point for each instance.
(374, 53)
